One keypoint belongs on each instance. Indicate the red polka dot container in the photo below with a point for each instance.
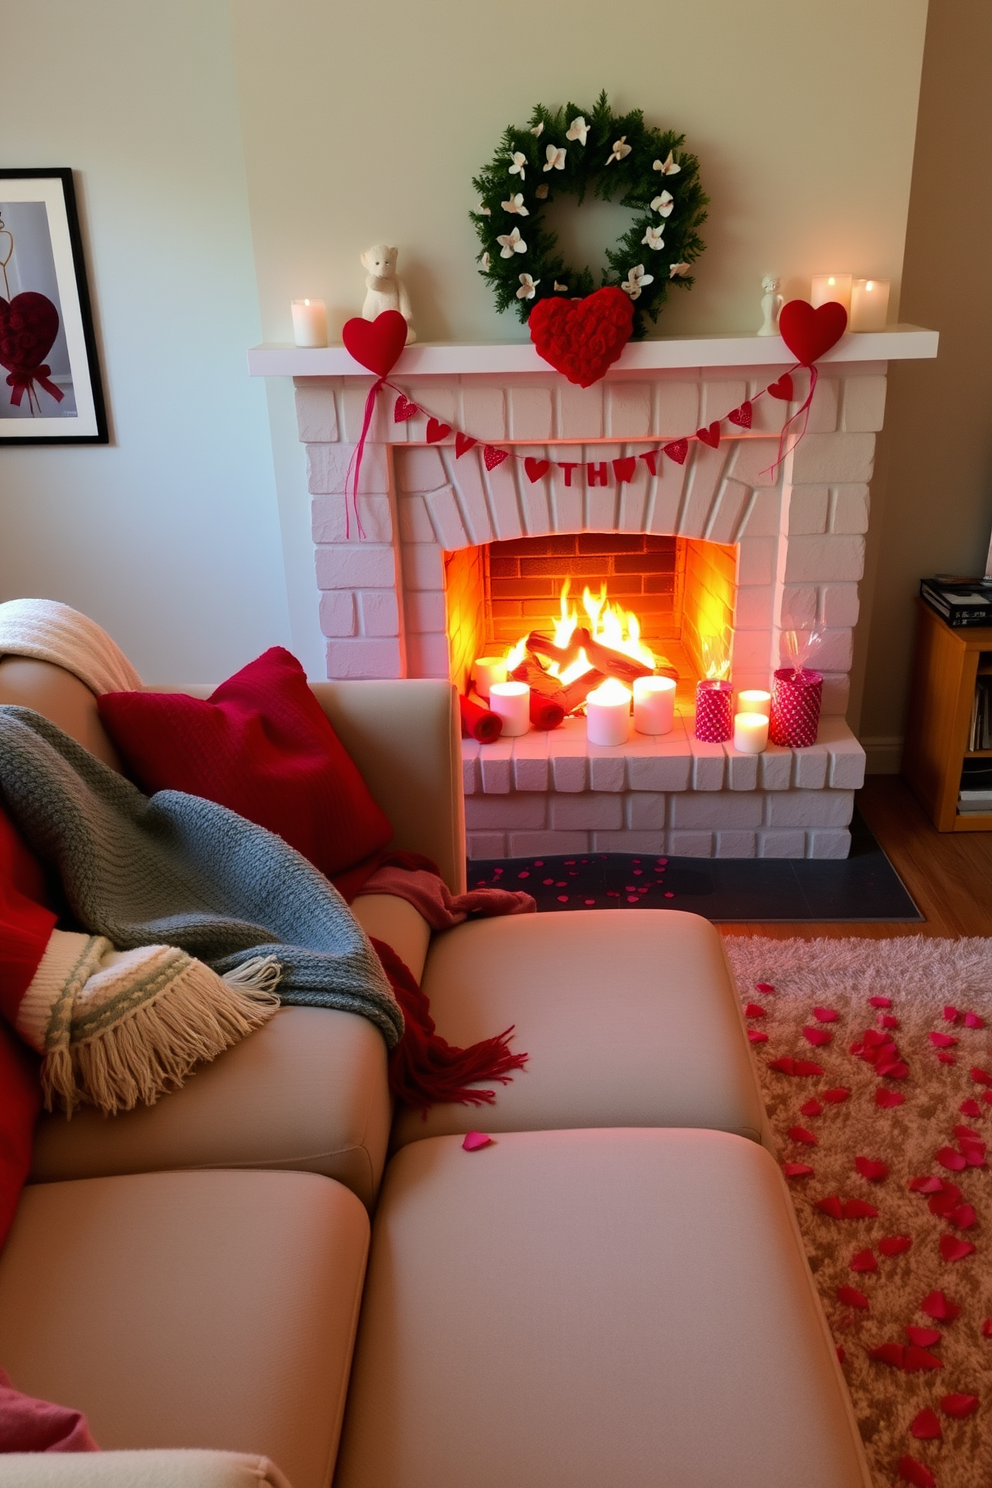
(795, 710)
(714, 711)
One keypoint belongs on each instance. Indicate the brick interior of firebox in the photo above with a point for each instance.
(681, 591)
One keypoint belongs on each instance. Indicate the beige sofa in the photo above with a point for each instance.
(613, 1291)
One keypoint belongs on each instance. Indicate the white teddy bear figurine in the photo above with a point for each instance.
(385, 290)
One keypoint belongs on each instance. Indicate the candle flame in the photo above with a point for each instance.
(610, 691)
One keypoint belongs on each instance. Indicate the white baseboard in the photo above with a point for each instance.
(883, 754)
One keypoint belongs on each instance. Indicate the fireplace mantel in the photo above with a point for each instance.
(446, 359)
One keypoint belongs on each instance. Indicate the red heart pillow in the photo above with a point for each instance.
(582, 338)
(261, 745)
(808, 333)
(377, 344)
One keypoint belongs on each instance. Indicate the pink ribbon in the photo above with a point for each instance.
(355, 463)
(801, 412)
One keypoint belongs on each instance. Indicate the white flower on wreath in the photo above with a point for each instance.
(653, 238)
(528, 287)
(515, 204)
(555, 158)
(620, 149)
(542, 191)
(538, 130)
(518, 164)
(636, 281)
(560, 288)
(679, 269)
(577, 130)
(485, 263)
(667, 166)
(485, 211)
(663, 204)
(511, 243)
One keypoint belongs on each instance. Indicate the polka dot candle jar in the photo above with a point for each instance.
(714, 711)
(795, 711)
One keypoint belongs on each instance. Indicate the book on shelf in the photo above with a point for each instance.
(961, 602)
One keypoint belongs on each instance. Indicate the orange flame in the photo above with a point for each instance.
(608, 623)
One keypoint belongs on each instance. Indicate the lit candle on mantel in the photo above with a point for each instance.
(608, 713)
(654, 705)
(827, 287)
(754, 700)
(487, 670)
(750, 732)
(869, 304)
(511, 702)
(309, 323)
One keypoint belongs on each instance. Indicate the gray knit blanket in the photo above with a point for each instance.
(174, 869)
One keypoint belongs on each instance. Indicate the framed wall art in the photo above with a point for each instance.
(50, 389)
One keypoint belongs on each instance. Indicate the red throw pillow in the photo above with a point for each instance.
(262, 745)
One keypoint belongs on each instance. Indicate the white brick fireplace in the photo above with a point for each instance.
(797, 538)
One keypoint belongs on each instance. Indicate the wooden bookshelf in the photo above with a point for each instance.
(945, 667)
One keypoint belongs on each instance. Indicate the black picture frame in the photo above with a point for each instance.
(58, 400)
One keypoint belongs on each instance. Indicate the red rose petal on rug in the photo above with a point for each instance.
(938, 1305)
(926, 1185)
(754, 1011)
(800, 1134)
(888, 1098)
(892, 1069)
(760, 986)
(915, 1473)
(959, 1406)
(962, 1218)
(973, 1154)
(967, 1134)
(797, 1170)
(858, 1209)
(806, 1067)
(970, 1107)
(942, 1203)
(889, 1353)
(755, 1036)
(474, 1140)
(893, 1245)
(980, 1076)
(562, 898)
(947, 1058)
(841, 1355)
(974, 1020)
(864, 1260)
(817, 1036)
(880, 1001)
(825, 1015)
(951, 1159)
(942, 1040)
(871, 1168)
(811, 1107)
(917, 1358)
(831, 1206)
(886, 1020)
(873, 1039)
(785, 1065)
(851, 1297)
(926, 1426)
(924, 1337)
(987, 1328)
(951, 1014)
(953, 1249)
(837, 1095)
(987, 1097)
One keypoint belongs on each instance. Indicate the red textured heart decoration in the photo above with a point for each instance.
(494, 457)
(436, 430)
(743, 417)
(463, 443)
(782, 389)
(677, 450)
(582, 338)
(28, 327)
(710, 435)
(808, 333)
(377, 344)
(404, 409)
(536, 468)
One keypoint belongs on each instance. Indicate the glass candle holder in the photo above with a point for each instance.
(795, 713)
(714, 711)
(827, 287)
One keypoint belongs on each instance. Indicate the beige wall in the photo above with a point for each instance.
(935, 511)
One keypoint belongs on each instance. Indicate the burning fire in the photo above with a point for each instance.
(608, 624)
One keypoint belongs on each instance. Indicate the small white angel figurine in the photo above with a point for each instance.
(386, 290)
(771, 304)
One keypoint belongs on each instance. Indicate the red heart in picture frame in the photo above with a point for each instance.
(29, 324)
(582, 338)
(808, 333)
(378, 343)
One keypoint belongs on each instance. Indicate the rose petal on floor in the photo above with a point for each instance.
(926, 1426)
(959, 1406)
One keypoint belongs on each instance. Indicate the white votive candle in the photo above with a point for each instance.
(827, 287)
(750, 732)
(869, 304)
(511, 701)
(654, 705)
(309, 323)
(608, 713)
(753, 700)
(487, 670)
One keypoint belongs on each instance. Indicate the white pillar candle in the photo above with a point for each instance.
(753, 700)
(309, 323)
(608, 713)
(831, 287)
(487, 670)
(654, 705)
(869, 304)
(511, 701)
(750, 732)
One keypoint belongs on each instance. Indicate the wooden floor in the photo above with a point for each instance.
(949, 874)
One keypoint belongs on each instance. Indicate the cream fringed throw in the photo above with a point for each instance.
(46, 630)
(118, 1027)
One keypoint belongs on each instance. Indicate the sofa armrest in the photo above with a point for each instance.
(158, 1469)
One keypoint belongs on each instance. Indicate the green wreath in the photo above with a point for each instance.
(617, 157)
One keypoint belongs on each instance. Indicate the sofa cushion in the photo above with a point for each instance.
(630, 1019)
(307, 1091)
(261, 745)
(181, 1469)
(590, 1308)
(190, 1310)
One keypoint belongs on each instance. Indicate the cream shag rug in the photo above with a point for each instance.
(903, 1026)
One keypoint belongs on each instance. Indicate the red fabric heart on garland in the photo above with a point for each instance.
(377, 344)
(28, 327)
(782, 389)
(403, 409)
(808, 333)
(582, 338)
(710, 435)
(463, 443)
(536, 468)
(436, 430)
(677, 450)
(494, 457)
(743, 417)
